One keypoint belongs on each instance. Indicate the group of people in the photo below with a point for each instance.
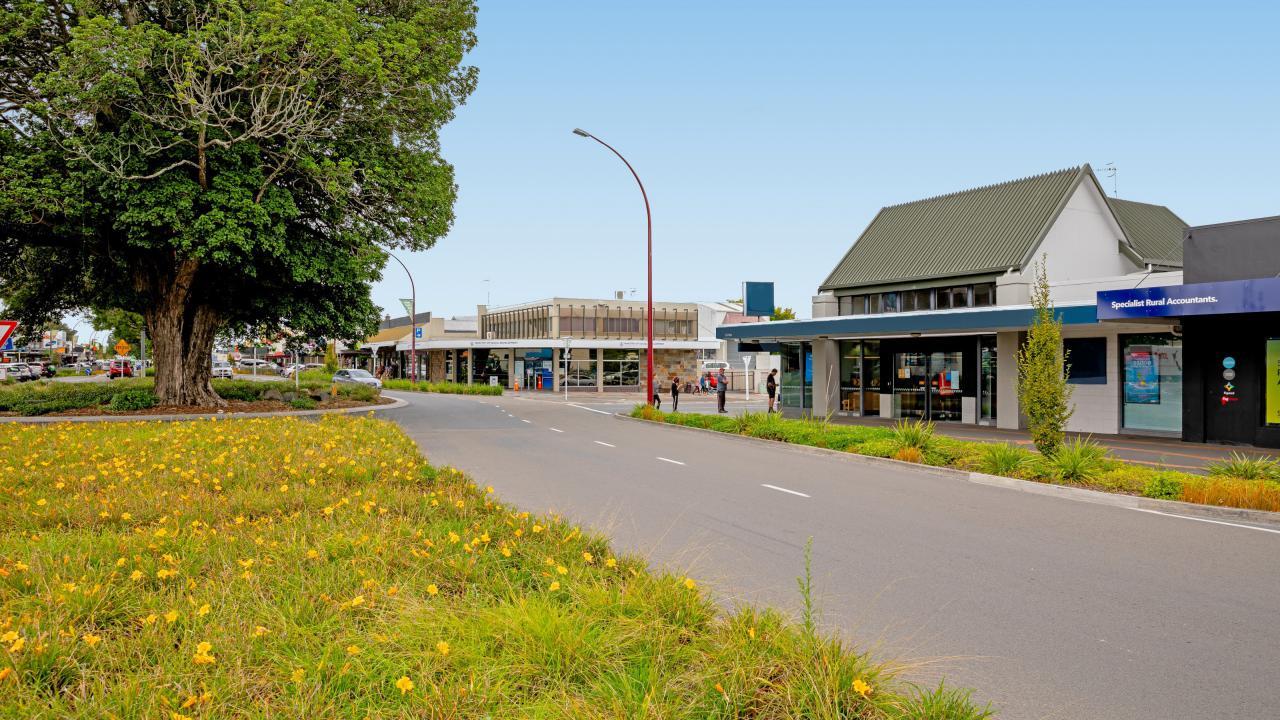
(717, 383)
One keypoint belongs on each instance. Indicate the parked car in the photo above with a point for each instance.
(222, 369)
(17, 371)
(357, 377)
(262, 365)
(119, 369)
(42, 369)
(289, 370)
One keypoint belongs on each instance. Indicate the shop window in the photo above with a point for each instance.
(1152, 382)
(859, 304)
(959, 296)
(1087, 360)
(875, 304)
(984, 294)
(621, 368)
(851, 377)
(846, 305)
(1271, 385)
(942, 301)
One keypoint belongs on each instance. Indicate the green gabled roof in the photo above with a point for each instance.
(1154, 231)
(987, 229)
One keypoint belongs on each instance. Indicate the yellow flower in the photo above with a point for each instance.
(861, 688)
(611, 563)
(751, 633)
(433, 590)
(353, 650)
(17, 645)
(297, 675)
(5, 673)
(562, 570)
(555, 586)
(356, 601)
(135, 575)
(204, 647)
(9, 636)
(404, 684)
(171, 616)
(442, 647)
(313, 554)
(586, 556)
(259, 631)
(90, 639)
(537, 528)
(202, 656)
(204, 610)
(284, 487)
(20, 566)
(689, 583)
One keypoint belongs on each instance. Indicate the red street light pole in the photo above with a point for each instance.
(413, 321)
(648, 356)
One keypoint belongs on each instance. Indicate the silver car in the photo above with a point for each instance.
(357, 377)
(222, 370)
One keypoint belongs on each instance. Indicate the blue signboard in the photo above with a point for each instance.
(1218, 298)
(757, 299)
(417, 333)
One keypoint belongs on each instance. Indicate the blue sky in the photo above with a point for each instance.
(768, 134)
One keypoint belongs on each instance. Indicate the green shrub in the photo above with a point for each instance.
(244, 390)
(448, 388)
(1003, 459)
(917, 435)
(1077, 461)
(1043, 392)
(304, 403)
(133, 399)
(364, 393)
(1245, 467)
(1163, 485)
(41, 398)
(316, 375)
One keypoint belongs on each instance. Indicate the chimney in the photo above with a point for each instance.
(619, 294)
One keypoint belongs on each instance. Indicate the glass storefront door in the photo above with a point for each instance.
(987, 378)
(910, 379)
(944, 386)
(851, 377)
(1152, 382)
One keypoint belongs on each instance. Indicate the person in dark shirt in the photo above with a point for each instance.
(675, 394)
(771, 386)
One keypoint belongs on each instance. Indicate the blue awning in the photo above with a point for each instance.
(933, 322)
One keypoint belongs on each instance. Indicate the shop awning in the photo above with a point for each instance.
(532, 343)
(926, 322)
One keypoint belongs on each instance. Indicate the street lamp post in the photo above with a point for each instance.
(413, 321)
(649, 305)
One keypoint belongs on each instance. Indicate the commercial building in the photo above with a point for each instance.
(923, 316)
(604, 341)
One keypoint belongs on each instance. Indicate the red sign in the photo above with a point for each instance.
(6, 329)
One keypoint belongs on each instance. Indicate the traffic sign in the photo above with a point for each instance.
(6, 329)
(123, 348)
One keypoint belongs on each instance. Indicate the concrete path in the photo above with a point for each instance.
(1051, 608)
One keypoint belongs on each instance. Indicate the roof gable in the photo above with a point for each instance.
(986, 229)
(1154, 231)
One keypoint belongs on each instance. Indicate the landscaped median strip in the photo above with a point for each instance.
(190, 570)
(444, 388)
(1240, 488)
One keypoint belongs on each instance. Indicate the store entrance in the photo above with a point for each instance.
(926, 386)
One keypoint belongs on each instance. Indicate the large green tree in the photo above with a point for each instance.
(216, 164)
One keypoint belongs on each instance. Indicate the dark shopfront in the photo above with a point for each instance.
(944, 379)
(1230, 330)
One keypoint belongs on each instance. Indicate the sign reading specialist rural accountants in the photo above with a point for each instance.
(1218, 298)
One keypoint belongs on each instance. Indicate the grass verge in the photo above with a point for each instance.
(1081, 463)
(283, 568)
(448, 388)
(44, 397)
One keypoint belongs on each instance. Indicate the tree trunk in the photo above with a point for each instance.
(182, 332)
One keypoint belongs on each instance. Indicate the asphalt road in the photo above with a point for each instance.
(1050, 608)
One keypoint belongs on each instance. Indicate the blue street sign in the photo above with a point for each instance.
(417, 333)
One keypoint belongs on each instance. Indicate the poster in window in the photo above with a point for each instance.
(1272, 389)
(1141, 377)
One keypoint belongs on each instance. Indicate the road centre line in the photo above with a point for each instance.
(556, 430)
(601, 442)
(583, 407)
(525, 421)
(782, 489)
(1206, 520)
(673, 462)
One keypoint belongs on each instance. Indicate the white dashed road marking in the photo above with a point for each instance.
(1206, 520)
(601, 442)
(556, 430)
(673, 462)
(782, 489)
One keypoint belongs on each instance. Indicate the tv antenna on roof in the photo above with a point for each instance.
(1111, 173)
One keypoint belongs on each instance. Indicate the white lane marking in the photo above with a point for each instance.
(601, 442)
(673, 462)
(583, 407)
(1206, 520)
(524, 421)
(556, 430)
(782, 489)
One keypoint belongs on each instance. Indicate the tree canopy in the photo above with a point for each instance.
(220, 164)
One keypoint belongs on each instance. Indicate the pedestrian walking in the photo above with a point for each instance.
(722, 388)
(675, 394)
(657, 399)
(771, 387)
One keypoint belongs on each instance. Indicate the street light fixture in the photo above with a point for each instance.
(413, 321)
(649, 223)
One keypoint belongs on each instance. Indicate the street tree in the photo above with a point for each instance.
(1043, 391)
(783, 313)
(219, 164)
(122, 324)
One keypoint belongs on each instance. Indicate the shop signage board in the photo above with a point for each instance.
(1219, 298)
(1141, 377)
(757, 299)
(1271, 388)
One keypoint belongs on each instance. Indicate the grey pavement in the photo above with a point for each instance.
(1049, 608)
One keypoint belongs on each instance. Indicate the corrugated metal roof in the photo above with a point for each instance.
(985, 229)
(389, 335)
(1154, 231)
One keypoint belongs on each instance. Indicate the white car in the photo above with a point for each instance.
(357, 377)
(223, 370)
(289, 370)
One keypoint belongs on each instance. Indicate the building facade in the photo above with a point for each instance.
(923, 316)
